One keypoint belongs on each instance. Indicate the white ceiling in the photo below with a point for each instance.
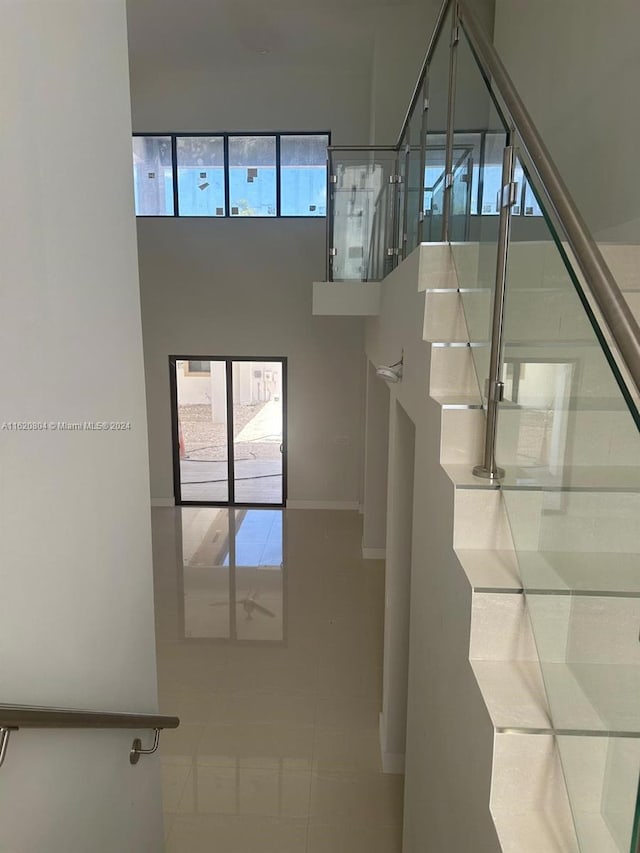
(236, 34)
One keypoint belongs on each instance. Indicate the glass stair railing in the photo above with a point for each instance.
(556, 352)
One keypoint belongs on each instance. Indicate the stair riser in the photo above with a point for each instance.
(462, 436)
(480, 521)
(601, 522)
(500, 628)
(536, 265)
(452, 372)
(586, 629)
(564, 438)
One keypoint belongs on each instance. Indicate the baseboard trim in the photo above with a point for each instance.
(351, 505)
(392, 762)
(163, 502)
(374, 553)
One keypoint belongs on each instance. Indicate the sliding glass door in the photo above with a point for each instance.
(229, 417)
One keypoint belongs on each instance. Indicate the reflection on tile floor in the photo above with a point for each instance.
(269, 633)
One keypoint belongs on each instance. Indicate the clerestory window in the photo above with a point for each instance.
(230, 174)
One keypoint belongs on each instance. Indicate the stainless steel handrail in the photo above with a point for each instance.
(624, 329)
(34, 717)
(602, 285)
(16, 717)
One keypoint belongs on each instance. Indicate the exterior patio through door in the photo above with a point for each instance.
(229, 430)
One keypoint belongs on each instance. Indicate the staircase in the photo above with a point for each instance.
(567, 537)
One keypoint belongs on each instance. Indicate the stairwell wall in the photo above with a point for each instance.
(449, 736)
(576, 66)
(76, 602)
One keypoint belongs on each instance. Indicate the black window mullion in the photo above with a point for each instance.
(175, 430)
(227, 202)
(278, 175)
(231, 462)
(174, 169)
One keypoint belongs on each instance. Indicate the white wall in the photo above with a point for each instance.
(287, 98)
(376, 464)
(76, 607)
(449, 738)
(244, 288)
(402, 36)
(576, 64)
(397, 605)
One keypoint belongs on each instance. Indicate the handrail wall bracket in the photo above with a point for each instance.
(4, 743)
(15, 717)
(137, 750)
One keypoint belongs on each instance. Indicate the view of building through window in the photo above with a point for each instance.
(200, 162)
(265, 175)
(153, 175)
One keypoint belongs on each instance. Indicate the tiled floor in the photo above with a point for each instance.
(279, 692)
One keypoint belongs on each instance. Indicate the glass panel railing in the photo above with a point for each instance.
(414, 197)
(570, 448)
(462, 174)
(401, 195)
(434, 184)
(381, 249)
(601, 774)
(361, 219)
(475, 209)
(437, 93)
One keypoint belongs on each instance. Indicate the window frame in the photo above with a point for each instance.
(226, 135)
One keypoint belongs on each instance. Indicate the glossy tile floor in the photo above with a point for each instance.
(269, 632)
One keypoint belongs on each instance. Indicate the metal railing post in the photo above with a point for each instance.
(330, 202)
(423, 153)
(489, 469)
(395, 216)
(451, 115)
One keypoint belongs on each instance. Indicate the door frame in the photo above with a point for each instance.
(175, 440)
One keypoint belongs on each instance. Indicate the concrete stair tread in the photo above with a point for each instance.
(606, 574)
(458, 401)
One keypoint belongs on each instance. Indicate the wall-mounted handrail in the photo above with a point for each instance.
(34, 717)
(15, 717)
(600, 281)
